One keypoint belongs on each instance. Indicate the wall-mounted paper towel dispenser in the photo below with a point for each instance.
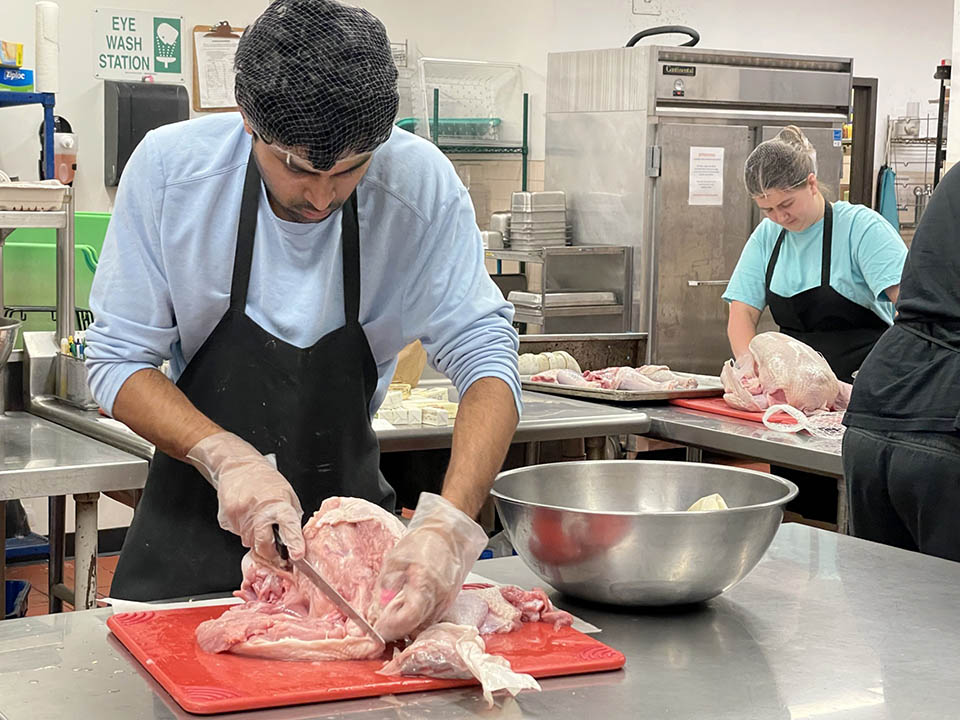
(130, 110)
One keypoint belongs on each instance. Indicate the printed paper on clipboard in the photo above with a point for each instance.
(214, 51)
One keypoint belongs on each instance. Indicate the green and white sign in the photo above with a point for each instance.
(129, 44)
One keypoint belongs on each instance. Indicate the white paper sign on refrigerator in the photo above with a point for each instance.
(706, 176)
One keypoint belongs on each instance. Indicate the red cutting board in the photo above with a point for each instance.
(718, 406)
(164, 643)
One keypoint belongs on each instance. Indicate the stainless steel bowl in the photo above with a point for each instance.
(8, 338)
(617, 531)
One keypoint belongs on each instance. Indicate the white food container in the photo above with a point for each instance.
(43, 195)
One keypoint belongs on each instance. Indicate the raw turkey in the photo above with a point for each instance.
(493, 609)
(450, 651)
(285, 616)
(646, 377)
(785, 372)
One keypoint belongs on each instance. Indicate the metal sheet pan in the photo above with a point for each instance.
(710, 386)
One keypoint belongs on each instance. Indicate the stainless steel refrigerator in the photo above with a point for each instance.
(649, 144)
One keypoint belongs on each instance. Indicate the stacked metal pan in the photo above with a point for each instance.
(538, 220)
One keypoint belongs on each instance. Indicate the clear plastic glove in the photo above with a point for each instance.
(747, 364)
(423, 573)
(252, 495)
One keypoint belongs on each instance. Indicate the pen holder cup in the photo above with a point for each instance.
(72, 384)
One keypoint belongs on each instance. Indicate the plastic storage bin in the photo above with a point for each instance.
(481, 103)
(18, 593)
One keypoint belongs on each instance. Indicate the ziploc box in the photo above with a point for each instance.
(16, 79)
(11, 53)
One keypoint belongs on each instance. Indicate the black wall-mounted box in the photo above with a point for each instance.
(130, 110)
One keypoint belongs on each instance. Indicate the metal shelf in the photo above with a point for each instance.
(523, 150)
(533, 315)
(536, 256)
(47, 100)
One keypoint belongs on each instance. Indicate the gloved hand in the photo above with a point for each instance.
(747, 364)
(252, 495)
(423, 573)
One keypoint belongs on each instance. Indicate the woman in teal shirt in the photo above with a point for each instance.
(830, 274)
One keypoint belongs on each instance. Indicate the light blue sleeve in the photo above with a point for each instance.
(748, 282)
(880, 253)
(134, 325)
(454, 307)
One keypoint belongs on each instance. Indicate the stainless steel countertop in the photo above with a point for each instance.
(39, 458)
(544, 418)
(825, 626)
(742, 438)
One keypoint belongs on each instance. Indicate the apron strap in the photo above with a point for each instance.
(350, 234)
(246, 231)
(773, 258)
(827, 244)
(925, 336)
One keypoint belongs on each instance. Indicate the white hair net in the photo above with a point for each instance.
(317, 77)
(782, 163)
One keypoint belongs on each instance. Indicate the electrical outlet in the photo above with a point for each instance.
(646, 7)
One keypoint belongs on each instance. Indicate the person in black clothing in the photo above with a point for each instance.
(901, 451)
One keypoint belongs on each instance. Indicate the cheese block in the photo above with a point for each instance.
(389, 414)
(434, 393)
(403, 388)
(402, 416)
(392, 399)
(435, 416)
(414, 413)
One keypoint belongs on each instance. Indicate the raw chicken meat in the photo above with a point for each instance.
(787, 372)
(493, 609)
(285, 616)
(450, 651)
(564, 377)
(647, 377)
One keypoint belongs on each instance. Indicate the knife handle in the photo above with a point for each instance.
(281, 548)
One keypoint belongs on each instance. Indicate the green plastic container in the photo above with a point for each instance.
(30, 267)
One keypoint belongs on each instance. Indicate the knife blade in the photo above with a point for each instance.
(324, 587)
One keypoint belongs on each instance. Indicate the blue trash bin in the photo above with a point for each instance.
(18, 591)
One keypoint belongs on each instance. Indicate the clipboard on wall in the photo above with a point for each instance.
(214, 48)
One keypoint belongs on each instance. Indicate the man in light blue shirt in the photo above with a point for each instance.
(282, 305)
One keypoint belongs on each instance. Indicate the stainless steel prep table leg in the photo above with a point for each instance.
(842, 507)
(531, 453)
(56, 530)
(85, 554)
(596, 448)
(694, 454)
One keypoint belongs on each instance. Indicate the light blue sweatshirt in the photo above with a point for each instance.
(163, 281)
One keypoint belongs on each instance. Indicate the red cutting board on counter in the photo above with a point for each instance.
(163, 642)
(718, 406)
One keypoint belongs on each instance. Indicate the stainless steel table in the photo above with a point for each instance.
(701, 431)
(827, 626)
(545, 417)
(41, 459)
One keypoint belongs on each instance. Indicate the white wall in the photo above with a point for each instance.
(901, 46)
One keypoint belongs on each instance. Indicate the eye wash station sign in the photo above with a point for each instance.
(128, 44)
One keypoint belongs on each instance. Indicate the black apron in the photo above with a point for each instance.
(309, 406)
(833, 325)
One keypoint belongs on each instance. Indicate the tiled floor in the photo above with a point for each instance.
(36, 573)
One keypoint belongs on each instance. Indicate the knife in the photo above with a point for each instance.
(326, 588)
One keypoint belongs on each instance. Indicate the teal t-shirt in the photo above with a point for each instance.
(867, 257)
